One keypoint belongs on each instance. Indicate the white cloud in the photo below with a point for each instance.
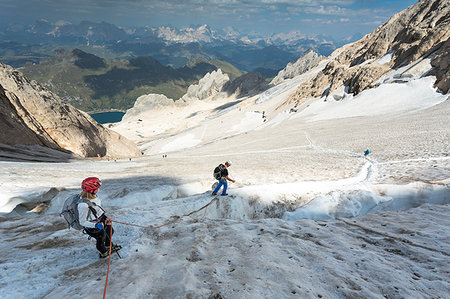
(326, 10)
(258, 15)
(327, 21)
(373, 23)
(270, 2)
(173, 4)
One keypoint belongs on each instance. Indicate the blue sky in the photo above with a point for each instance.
(335, 18)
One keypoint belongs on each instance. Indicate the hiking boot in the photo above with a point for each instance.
(224, 194)
(114, 248)
(214, 193)
(104, 254)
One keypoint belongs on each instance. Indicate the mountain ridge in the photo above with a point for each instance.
(303, 64)
(33, 115)
(94, 84)
(420, 30)
(103, 31)
(170, 45)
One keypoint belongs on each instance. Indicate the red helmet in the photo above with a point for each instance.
(91, 185)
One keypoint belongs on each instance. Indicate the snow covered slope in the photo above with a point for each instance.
(290, 227)
(308, 217)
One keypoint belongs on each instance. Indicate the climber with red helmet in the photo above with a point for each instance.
(92, 217)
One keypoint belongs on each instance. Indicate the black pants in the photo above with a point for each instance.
(102, 236)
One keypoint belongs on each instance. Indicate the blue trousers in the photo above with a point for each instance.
(222, 181)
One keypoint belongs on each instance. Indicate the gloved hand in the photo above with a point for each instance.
(99, 226)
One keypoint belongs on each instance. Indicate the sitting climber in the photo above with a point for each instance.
(84, 212)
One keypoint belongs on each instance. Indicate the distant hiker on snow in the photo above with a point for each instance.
(84, 212)
(221, 174)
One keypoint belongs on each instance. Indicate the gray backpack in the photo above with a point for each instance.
(217, 174)
(70, 211)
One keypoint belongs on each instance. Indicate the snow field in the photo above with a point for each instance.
(348, 197)
(308, 217)
(246, 259)
(386, 99)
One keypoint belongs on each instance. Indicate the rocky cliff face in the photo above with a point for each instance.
(248, 84)
(211, 84)
(208, 86)
(306, 62)
(441, 66)
(32, 115)
(422, 30)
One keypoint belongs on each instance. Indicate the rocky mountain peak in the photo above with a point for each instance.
(420, 31)
(186, 35)
(87, 61)
(32, 115)
(303, 64)
(209, 85)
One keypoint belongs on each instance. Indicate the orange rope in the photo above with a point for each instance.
(204, 214)
(108, 222)
(204, 207)
(150, 227)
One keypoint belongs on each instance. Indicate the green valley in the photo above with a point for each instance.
(92, 84)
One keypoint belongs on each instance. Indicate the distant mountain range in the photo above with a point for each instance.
(414, 43)
(91, 83)
(172, 47)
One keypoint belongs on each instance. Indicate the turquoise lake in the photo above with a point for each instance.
(107, 117)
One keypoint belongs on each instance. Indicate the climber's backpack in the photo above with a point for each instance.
(218, 172)
(70, 211)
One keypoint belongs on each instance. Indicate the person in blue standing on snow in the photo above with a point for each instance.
(221, 174)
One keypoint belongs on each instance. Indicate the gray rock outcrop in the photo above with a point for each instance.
(245, 85)
(441, 66)
(422, 30)
(210, 85)
(148, 102)
(32, 115)
(304, 63)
